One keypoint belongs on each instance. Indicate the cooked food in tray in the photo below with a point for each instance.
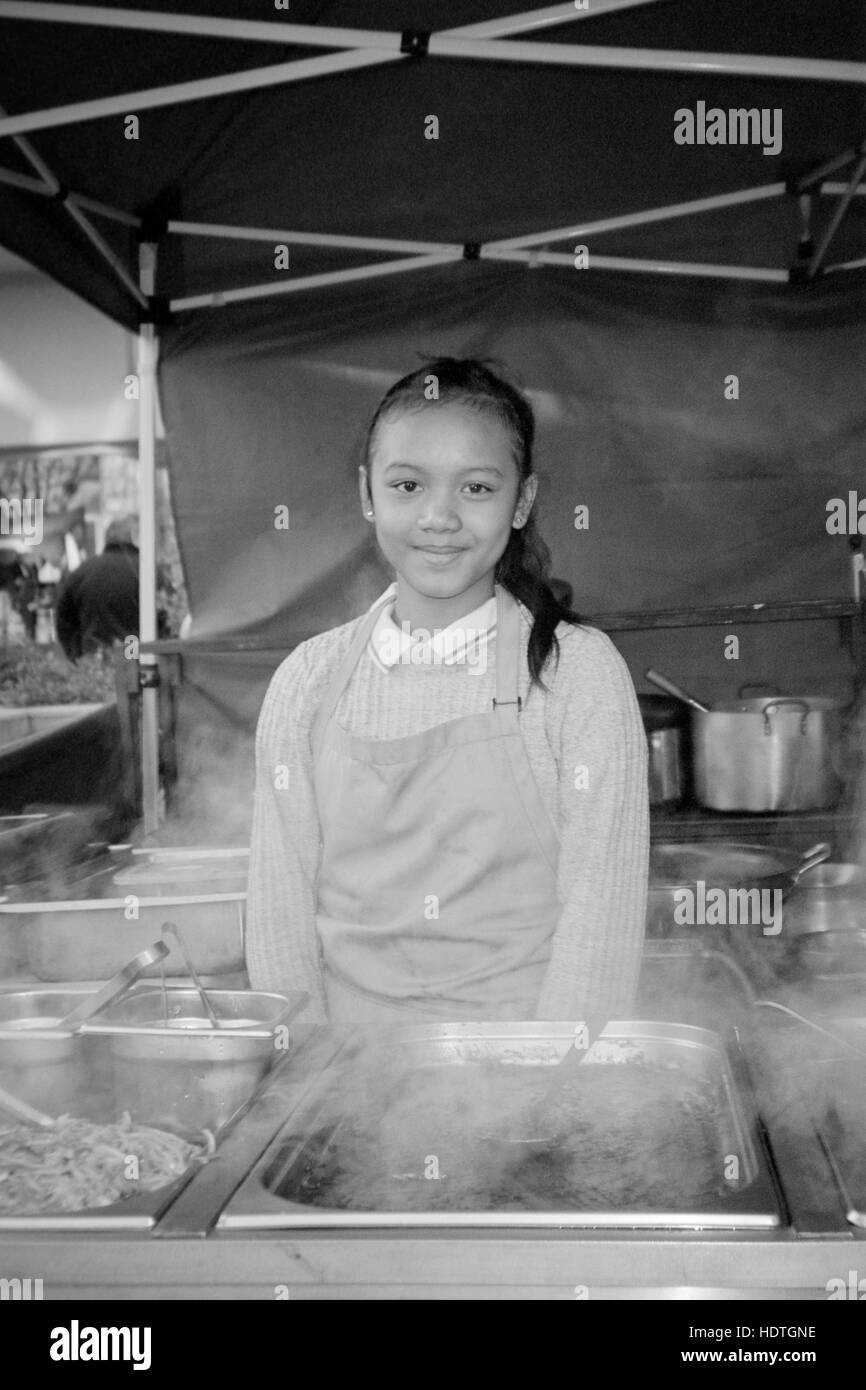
(77, 1165)
(497, 1137)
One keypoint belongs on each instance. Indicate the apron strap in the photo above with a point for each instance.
(507, 697)
(342, 675)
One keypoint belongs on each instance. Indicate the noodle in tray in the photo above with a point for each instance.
(77, 1165)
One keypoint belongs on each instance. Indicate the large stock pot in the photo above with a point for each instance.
(776, 754)
(768, 754)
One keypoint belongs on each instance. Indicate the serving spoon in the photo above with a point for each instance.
(14, 1105)
(539, 1113)
(667, 685)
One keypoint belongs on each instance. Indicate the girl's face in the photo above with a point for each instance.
(445, 491)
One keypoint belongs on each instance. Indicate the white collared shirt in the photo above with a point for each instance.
(462, 641)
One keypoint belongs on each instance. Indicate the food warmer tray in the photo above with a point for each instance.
(752, 1201)
(92, 1096)
(838, 1096)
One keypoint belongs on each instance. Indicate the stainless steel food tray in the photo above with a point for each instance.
(838, 1096)
(752, 1201)
(168, 1055)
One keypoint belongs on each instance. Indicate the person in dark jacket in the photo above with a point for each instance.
(97, 604)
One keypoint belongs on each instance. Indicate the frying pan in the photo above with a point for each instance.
(725, 864)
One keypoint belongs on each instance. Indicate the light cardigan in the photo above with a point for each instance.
(587, 749)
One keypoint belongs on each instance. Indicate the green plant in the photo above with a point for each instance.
(34, 675)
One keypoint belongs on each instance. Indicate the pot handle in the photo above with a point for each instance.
(774, 704)
(810, 859)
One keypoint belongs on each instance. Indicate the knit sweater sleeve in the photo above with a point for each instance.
(595, 731)
(282, 946)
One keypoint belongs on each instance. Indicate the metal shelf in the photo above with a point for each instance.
(806, 610)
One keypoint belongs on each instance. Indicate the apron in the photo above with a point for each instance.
(437, 879)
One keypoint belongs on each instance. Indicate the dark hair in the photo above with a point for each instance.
(524, 567)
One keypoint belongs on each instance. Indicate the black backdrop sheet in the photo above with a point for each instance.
(693, 498)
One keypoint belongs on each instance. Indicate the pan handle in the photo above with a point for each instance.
(774, 704)
(818, 854)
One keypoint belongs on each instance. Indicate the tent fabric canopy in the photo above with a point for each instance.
(521, 148)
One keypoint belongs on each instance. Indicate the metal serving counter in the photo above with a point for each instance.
(191, 1253)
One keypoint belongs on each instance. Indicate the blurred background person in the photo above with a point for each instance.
(97, 603)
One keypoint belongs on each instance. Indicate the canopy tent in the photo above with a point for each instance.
(309, 129)
(295, 205)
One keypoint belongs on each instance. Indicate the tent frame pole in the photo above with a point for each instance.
(52, 186)
(148, 352)
(607, 224)
(832, 189)
(149, 98)
(644, 217)
(127, 219)
(25, 181)
(219, 298)
(553, 15)
(351, 243)
(536, 258)
(81, 200)
(846, 265)
(531, 258)
(197, 26)
(498, 250)
(274, 31)
(373, 48)
(829, 166)
(838, 213)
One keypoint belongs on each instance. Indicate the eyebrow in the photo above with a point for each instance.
(419, 468)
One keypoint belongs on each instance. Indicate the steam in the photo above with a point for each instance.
(422, 1127)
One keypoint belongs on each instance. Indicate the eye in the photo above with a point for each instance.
(406, 482)
(483, 488)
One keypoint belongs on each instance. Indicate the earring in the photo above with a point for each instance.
(369, 514)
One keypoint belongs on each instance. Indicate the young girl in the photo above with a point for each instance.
(451, 815)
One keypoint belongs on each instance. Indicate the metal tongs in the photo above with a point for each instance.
(99, 999)
(170, 929)
(113, 988)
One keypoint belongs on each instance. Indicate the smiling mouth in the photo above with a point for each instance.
(441, 549)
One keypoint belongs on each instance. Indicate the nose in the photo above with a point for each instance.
(439, 515)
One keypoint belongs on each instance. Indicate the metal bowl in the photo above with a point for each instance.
(40, 1064)
(174, 1067)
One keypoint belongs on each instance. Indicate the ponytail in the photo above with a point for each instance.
(524, 571)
